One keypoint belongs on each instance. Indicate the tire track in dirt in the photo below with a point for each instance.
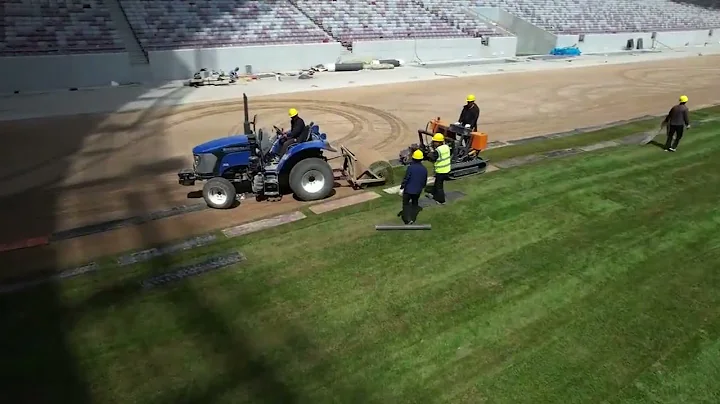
(656, 77)
(360, 121)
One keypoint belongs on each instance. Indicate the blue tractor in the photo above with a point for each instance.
(239, 164)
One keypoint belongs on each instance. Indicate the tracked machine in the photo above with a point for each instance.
(465, 146)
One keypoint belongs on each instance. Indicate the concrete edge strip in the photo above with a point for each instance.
(150, 253)
(518, 161)
(450, 197)
(329, 206)
(70, 273)
(102, 227)
(561, 153)
(396, 189)
(599, 146)
(207, 265)
(262, 224)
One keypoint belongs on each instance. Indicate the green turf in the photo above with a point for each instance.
(586, 279)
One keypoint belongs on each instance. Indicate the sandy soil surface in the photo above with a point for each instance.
(59, 173)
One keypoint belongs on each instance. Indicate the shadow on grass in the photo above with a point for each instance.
(39, 364)
(657, 144)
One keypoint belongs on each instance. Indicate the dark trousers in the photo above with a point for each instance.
(674, 134)
(286, 144)
(438, 189)
(411, 207)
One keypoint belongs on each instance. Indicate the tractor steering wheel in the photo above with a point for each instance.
(278, 131)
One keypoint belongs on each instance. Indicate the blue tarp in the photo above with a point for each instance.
(567, 51)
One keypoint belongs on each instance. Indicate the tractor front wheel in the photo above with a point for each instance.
(219, 193)
(312, 179)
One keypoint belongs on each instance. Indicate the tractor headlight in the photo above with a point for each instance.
(204, 163)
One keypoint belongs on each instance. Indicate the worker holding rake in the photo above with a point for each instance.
(677, 121)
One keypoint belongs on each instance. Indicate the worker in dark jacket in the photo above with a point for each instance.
(297, 126)
(677, 120)
(470, 113)
(412, 186)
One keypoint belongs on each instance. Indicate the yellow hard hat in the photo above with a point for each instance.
(470, 97)
(683, 98)
(438, 137)
(292, 112)
(418, 155)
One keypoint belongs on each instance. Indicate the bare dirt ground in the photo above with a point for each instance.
(59, 173)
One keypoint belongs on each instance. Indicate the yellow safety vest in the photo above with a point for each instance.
(442, 165)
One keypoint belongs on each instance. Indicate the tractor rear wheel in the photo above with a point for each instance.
(219, 193)
(312, 179)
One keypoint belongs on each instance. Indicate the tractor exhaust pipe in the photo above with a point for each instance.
(246, 123)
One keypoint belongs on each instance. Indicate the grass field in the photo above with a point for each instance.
(587, 279)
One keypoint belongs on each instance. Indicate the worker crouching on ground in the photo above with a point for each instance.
(440, 156)
(677, 121)
(412, 187)
(297, 125)
(470, 113)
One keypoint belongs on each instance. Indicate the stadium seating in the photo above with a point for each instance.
(460, 14)
(31, 27)
(595, 16)
(351, 20)
(176, 24)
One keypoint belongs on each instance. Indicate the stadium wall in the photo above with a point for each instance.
(599, 43)
(181, 64)
(61, 72)
(531, 39)
(41, 73)
(435, 50)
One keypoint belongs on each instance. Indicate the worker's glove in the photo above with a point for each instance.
(688, 127)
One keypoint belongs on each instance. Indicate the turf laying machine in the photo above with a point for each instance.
(249, 163)
(465, 146)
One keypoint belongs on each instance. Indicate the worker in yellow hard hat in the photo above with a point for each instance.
(440, 155)
(412, 186)
(297, 127)
(470, 113)
(677, 120)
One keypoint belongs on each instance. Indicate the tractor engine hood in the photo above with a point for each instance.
(221, 143)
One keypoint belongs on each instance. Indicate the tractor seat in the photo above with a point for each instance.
(304, 135)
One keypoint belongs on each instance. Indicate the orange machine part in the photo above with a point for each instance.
(437, 126)
(479, 141)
